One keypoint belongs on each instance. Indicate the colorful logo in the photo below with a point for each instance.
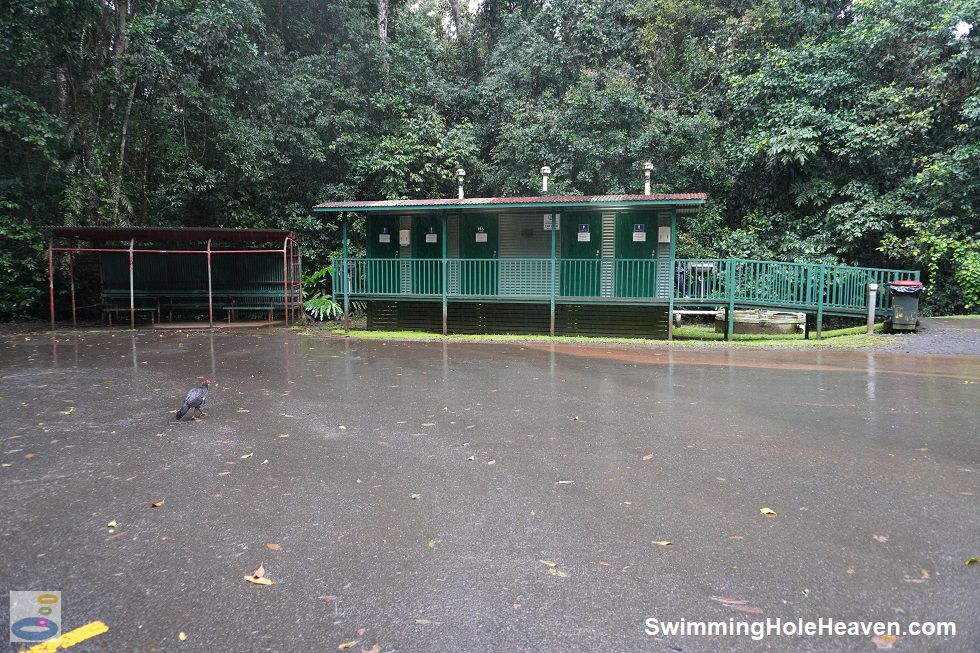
(34, 616)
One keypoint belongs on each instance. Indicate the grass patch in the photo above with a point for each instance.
(689, 336)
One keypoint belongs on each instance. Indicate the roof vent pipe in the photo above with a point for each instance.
(545, 172)
(460, 173)
(647, 167)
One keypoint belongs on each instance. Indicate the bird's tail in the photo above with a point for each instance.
(183, 411)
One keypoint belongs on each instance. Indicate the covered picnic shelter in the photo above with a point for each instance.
(153, 270)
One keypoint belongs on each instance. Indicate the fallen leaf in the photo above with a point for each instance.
(361, 631)
(736, 604)
(431, 544)
(416, 497)
(157, 504)
(649, 456)
(273, 546)
(471, 458)
(556, 572)
(564, 482)
(182, 636)
(374, 649)
(264, 462)
(603, 563)
(880, 538)
(423, 621)
(258, 581)
(342, 427)
(548, 563)
(664, 543)
(768, 512)
(260, 572)
(248, 455)
(112, 524)
(347, 645)
(884, 641)
(327, 597)
(28, 456)
(428, 424)
(491, 462)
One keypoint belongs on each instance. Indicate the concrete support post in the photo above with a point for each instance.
(872, 305)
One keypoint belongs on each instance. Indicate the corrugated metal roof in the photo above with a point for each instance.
(168, 234)
(504, 202)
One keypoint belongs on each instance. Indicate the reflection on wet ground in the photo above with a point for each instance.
(412, 490)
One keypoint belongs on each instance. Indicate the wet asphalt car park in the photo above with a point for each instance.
(436, 496)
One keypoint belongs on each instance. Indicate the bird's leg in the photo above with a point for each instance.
(200, 413)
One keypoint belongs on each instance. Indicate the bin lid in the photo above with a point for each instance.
(905, 282)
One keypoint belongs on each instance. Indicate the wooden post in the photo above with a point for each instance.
(51, 280)
(872, 304)
(285, 283)
(132, 295)
(210, 296)
(71, 277)
(344, 277)
(445, 280)
(554, 263)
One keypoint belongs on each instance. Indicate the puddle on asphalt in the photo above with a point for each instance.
(955, 367)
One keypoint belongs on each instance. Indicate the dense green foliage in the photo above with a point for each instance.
(830, 130)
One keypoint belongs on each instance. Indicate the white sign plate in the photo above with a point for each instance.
(584, 237)
(547, 221)
(664, 235)
(481, 237)
(384, 238)
(431, 238)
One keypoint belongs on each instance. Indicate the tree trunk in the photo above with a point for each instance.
(457, 17)
(384, 8)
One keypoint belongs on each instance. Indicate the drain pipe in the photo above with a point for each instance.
(460, 173)
(647, 168)
(545, 173)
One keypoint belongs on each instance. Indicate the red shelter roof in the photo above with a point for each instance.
(171, 234)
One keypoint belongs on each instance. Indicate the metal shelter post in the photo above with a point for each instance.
(299, 263)
(210, 296)
(71, 278)
(285, 283)
(343, 238)
(132, 294)
(51, 280)
(554, 228)
(445, 280)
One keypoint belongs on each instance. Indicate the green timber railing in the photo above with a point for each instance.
(770, 284)
(811, 287)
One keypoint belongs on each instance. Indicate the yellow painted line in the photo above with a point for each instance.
(70, 638)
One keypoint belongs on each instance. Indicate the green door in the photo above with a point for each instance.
(426, 255)
(580, 249)
(381, 272)
(636, 255)
(478, 254)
